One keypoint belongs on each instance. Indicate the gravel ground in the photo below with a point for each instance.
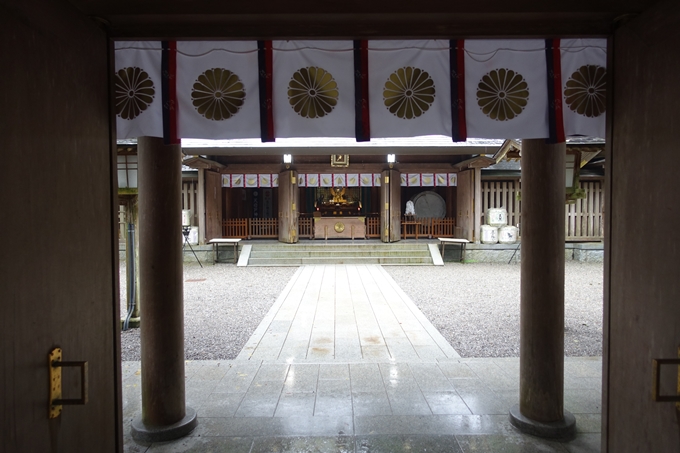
(223, 305)
(474, 306)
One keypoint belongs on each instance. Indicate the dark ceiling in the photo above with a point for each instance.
(263, 19)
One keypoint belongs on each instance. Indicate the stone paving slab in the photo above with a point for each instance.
(345, 362)
(449, 405)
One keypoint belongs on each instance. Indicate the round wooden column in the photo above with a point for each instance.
(541, 408)
(164, 413)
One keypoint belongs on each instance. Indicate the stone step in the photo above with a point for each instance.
(301, 261)
(256, 253)
(340, 253)
(345, 246)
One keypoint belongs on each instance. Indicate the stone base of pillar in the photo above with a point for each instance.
(143, 433)
(562, 430)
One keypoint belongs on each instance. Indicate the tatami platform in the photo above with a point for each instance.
(345, 362)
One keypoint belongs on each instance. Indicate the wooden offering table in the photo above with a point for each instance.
(340, 210)
(339, 227)
(225, 241)
(461, 242)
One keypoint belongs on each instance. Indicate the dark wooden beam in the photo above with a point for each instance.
(383, 7)
(355, 26)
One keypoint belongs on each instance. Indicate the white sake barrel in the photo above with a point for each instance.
(186, 217)
(497, 217)
(507, 234)
(193, 236)
(489, 234)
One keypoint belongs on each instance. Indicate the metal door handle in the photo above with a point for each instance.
(55, 366)
(656, 380)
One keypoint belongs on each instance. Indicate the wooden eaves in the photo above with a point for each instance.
(199, 163)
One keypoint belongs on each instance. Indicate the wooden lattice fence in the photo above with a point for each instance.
(584, 218)
(373, 227)
(189, 199)
(306, 227)
(502, 194)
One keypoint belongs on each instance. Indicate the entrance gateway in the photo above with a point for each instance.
(640, 269)
(366, 90)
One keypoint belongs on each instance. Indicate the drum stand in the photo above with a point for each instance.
(185, 231)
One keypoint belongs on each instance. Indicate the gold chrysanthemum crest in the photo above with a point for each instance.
(409, 92)
(134, 92)
(502, 94)
(313, 92)
(218, 94)
(585, 91)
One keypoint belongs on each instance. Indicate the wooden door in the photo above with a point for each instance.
(642, 255)
(464, 202)
(213, 205)
(288, 209)
(59, 279)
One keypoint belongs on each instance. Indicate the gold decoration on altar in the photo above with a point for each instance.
(339, 160)
(339, 227)
(338, 195)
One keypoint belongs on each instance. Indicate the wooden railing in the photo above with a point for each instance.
(443, 228)
(306, 227)
(235, 228)
(269, 228)
(373, 227)
(263, 228)
(429, 227)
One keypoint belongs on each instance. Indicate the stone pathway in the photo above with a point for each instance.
(345, 362)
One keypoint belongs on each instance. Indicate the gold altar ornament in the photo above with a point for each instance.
(338, 195)
(339, 227)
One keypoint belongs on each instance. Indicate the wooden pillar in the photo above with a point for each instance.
(288, 206)
(465, 205)
(477, 205)
(390, 206)
(201, 206)
(541, 407)
(164, 413)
